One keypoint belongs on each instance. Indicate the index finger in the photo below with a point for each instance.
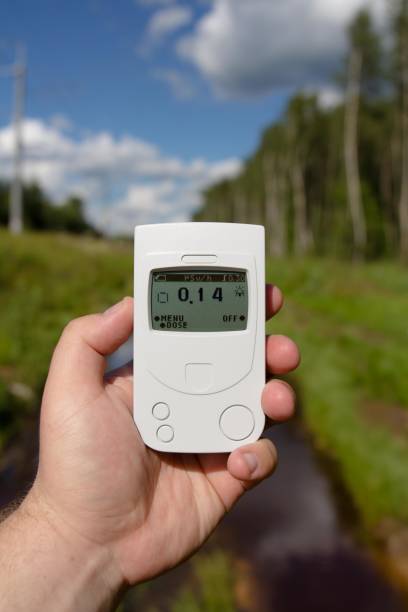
(273, 300)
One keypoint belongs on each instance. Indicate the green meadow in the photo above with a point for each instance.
(351, 324)
(349, 320)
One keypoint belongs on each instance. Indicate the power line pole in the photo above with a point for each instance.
(19, 71)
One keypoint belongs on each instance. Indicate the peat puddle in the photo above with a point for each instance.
(288, 531)
(302, 555)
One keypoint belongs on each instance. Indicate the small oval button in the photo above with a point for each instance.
(165, 433)
(199, 259)
(161, 411)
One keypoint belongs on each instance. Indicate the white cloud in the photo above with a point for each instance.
(61, 122)
(342, 10)
(329, 96)
(162, 23)
(168, 20)
(143, 203)
(245, 48)
(124, 181)
(180, 85)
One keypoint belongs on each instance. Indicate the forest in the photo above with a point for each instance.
(40, 213)
(334, 181)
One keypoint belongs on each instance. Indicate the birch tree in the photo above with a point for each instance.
(274, 205)
(363, 68)
(300, 117)
(401, 63)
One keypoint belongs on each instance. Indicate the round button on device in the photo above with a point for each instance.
(161, 411)
(165, 433)
(237, 422)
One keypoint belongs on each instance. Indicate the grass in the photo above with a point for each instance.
(46, 280)
(210, 582)
(350, 322)
(214, 576)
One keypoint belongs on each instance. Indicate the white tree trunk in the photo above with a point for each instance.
(403, 200)
(351, 154)
(302, 236)
(273, 208)
(239, 206)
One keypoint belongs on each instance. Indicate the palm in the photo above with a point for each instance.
(117, 491)
(181, 495)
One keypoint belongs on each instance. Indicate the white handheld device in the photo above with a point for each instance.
(199, 335)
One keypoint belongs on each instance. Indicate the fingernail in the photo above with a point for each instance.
(251, 461)
(112, 309)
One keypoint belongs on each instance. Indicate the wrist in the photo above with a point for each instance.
(54, 567)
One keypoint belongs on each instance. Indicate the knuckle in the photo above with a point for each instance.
(76, 326)
(72, 327)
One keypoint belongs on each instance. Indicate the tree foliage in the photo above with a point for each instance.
(297, 182)
(41, 214)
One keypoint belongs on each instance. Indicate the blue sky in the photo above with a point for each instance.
(139, 104)
(84, 63)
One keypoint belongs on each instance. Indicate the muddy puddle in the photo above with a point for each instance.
(293, 533)
(302, 553)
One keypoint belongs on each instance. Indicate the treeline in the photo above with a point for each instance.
(334, 181)
(41, 214)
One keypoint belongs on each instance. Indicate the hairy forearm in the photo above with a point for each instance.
(44, 568)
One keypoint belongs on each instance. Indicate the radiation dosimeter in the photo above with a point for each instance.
(199, 335)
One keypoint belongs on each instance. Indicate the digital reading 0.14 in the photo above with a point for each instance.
(199, 300)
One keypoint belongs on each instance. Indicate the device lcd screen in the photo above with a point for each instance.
(199, 300)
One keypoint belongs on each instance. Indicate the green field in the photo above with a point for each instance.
(44, 282)
(350, 322)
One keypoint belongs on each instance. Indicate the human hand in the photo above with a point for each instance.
(100, 486)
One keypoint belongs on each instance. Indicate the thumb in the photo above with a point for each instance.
(78, 362)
